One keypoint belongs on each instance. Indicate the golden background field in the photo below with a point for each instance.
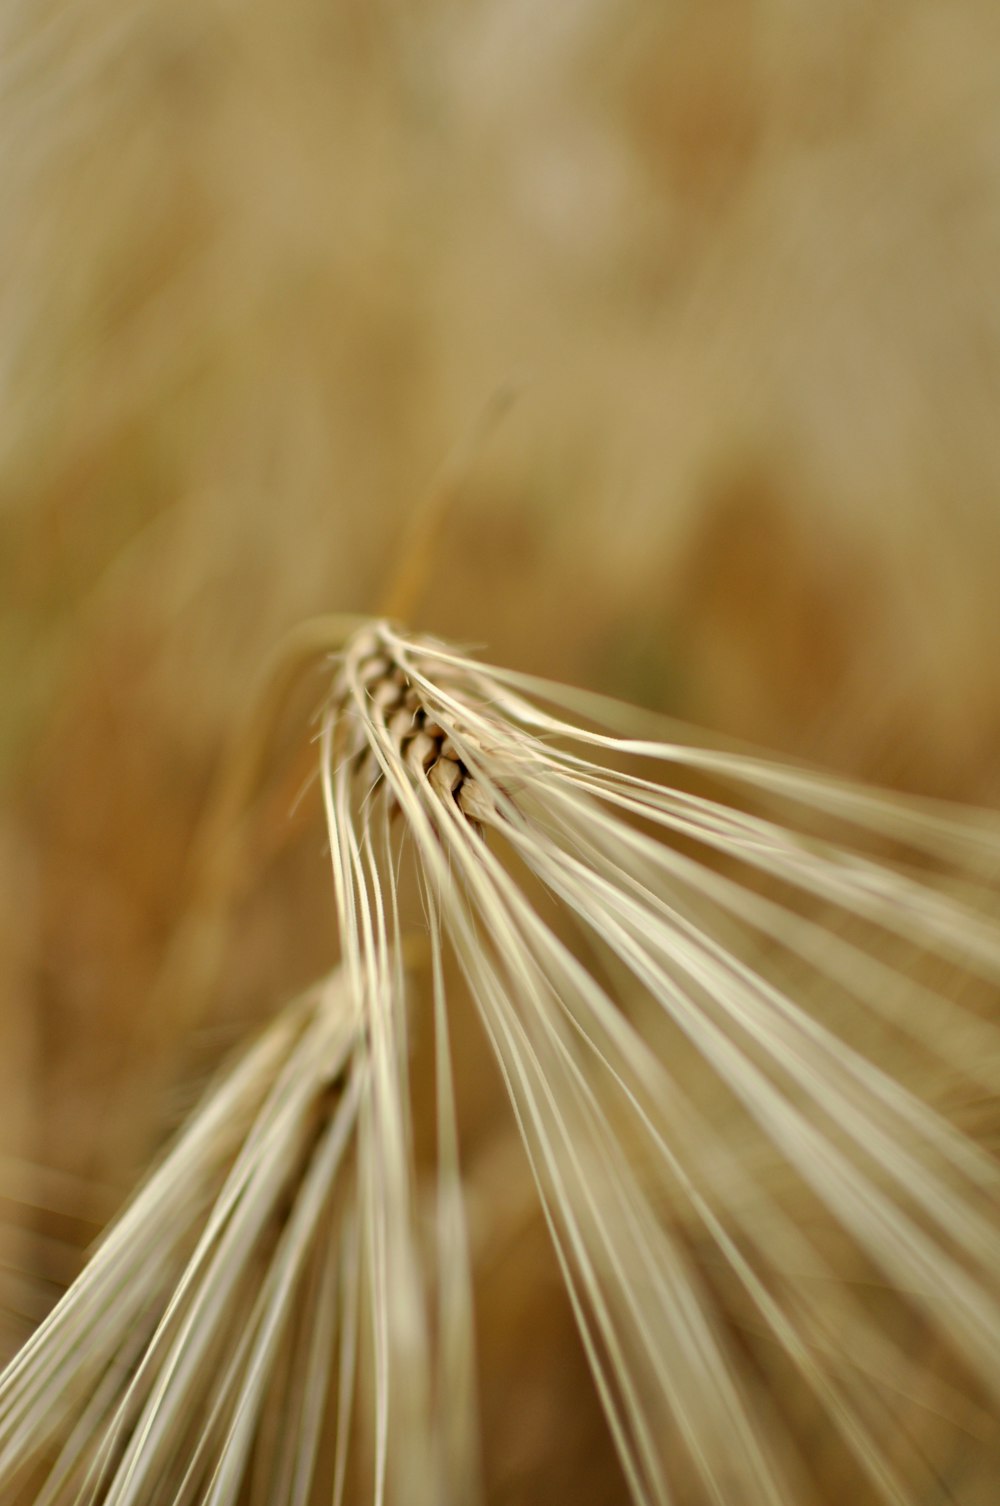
(262, 268)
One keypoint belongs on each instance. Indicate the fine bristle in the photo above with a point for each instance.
(745, 1019)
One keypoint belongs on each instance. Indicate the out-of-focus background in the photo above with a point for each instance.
(262, 267)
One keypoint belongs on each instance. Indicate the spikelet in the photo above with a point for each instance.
(745, 1199)
(743, 1016)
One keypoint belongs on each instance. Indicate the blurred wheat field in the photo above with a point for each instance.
(261, 269)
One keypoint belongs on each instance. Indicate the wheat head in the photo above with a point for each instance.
(744, 1016)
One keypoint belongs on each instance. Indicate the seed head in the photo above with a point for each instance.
(745, 1017)
(717, 1081)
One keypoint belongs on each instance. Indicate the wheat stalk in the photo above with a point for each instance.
(741, 1012)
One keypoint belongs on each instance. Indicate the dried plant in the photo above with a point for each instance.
(742, 1014)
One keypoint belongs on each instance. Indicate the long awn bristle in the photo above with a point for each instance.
(742, 1013)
